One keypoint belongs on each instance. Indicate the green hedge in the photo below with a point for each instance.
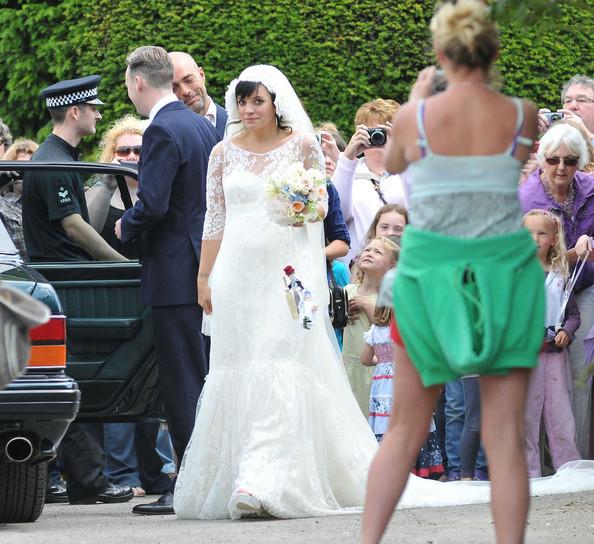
(338, 54)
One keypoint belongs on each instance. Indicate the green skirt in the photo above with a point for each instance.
(469, 306)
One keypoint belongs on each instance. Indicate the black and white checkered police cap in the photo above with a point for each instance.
(72, 91)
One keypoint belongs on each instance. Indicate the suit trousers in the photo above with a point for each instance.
(182, 367)
(549, 396)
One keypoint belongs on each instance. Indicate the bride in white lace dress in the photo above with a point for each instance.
(278, 430)
(277, 426)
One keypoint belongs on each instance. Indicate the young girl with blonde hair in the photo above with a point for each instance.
(378, 256)
(549, 388)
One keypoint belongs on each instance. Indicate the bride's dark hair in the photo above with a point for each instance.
(245, 89)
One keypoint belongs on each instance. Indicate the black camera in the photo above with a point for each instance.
(377, 137)
(439, 83)
(553, 116)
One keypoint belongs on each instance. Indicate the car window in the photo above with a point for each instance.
(7, 246)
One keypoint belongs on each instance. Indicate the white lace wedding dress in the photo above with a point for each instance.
(277, 417)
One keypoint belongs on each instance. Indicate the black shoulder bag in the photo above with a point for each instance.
(339, 302)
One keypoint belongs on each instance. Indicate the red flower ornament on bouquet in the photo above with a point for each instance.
(299, 299)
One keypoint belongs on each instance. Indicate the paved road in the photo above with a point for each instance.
(559, 519)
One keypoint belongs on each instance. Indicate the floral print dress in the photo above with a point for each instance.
(429, 463)
(382, 387)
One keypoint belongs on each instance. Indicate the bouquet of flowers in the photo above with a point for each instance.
(293, 196)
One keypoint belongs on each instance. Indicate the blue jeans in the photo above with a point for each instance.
(54, 469)
(121, 465)
(471, 435)
(454, 414)
(165, 451)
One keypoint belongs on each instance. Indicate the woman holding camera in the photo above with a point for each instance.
(465, 257)
(360, 177)
(559, 186)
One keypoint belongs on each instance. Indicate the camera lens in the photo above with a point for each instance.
(377, 137)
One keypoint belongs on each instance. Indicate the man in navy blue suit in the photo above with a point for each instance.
(169, 217)
(189, 85)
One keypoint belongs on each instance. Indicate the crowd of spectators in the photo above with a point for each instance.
(368, 212)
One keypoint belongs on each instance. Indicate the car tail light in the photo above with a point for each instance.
(48, 343)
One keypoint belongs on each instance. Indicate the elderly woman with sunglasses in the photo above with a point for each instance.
(121, 143)
(559, 186)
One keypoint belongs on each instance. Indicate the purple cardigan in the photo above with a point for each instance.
(532, 195)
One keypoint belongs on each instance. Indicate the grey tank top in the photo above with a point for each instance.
(467, 196)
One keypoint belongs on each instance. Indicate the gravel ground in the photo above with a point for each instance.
(555, 519)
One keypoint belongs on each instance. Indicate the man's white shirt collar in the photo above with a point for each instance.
(211, 112)
(167, 99)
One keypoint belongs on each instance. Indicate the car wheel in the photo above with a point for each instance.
(22, 491)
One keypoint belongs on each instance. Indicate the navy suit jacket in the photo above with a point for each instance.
(221, 121)
(171, 204)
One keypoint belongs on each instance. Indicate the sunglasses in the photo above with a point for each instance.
(567, 161)
(125, 150)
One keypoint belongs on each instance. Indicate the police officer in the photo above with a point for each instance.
(55, 217)
(56, 228)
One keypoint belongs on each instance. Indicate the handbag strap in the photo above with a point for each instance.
(579, 265)
(331, 274)
(378, 189)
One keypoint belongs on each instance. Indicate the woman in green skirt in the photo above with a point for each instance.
(468, 296)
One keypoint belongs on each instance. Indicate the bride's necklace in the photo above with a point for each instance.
(567, 205)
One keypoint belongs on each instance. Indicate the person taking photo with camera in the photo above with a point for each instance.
(360, 177)
(577, 103)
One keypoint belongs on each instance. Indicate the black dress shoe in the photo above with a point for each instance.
(163, 506)
(111, 494)
(56, 493)
(116, 493)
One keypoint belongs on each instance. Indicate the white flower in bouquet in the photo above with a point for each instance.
(293, 197)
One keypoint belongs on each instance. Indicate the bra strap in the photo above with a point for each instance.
(519, 139)
(422, 140)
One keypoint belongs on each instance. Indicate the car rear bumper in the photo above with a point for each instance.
(40, 405)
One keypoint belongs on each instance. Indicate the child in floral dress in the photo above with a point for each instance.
(378, 352)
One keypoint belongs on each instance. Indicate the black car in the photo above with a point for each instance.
(35, 409)
(110, 354)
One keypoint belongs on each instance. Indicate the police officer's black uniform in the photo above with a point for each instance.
(48, 197)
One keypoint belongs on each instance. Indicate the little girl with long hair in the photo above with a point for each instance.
(390, 220)
(377, 258)
(550, 383)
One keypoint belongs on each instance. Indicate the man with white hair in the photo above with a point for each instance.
(577, 99)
